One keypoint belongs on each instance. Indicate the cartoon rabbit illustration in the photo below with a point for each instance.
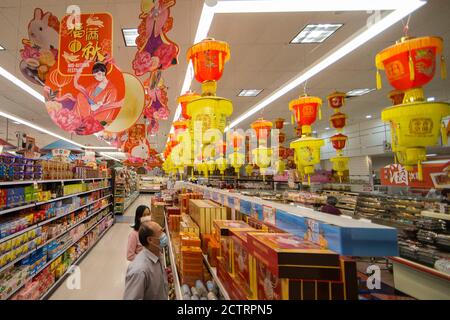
(140, 151)
(43, 30)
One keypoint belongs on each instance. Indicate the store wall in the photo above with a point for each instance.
(360, 167)
(364, 138)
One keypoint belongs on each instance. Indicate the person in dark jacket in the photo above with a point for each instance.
(330, 207)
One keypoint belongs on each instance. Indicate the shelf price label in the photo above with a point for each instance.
(237, 204)
(269, 214)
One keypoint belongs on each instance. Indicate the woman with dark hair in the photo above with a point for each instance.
(134, 246)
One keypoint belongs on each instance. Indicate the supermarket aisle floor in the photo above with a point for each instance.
(103, 270)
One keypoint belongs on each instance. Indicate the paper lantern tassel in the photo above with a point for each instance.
(412, 75)
(419, 171)
(378, 80)
(444, 134)
(443, 68)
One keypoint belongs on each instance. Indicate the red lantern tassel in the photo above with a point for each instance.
(444, 134)
(379, 85)
(419, 171)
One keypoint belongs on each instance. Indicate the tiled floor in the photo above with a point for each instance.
(103, 270)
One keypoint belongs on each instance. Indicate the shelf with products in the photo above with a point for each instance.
(151, 183)
(15, 169)
(126, 188)
(39, 240)
(337, 231)
(14, 225)
(53, 264)
(11, 183)
(19, 198)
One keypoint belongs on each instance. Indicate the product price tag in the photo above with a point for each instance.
(35, 185)
(269, 215)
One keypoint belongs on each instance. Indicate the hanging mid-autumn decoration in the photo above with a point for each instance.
(307, 149)
(85, 89)
(415, 123)
(40, 50)
(280, 164)
(208, 58)
(262, 154)
(236, 158)
(336, 101)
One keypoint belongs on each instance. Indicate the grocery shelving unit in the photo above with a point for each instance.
(95, 215)
(173, 264)
(125, 189)
(150, 184)
(346, 200)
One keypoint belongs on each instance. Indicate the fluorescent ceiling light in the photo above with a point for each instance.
(249, 92)
(316, 33)
(129, 36)
(43, 130)
(22, 85)
(2, 48)
(431, 99)
(359, 92)
(369, 116)
(327, 128)
(432, 155)
(401, 9)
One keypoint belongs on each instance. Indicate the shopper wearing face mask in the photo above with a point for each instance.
(146, 278)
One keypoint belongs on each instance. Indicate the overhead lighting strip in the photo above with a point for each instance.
(43, 130)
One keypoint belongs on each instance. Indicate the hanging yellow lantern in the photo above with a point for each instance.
(307, 150)
(280, 166)
(208, 58)
(249, 170)
(415, 123)
(262, 158)
(236, 159)
(340, 165)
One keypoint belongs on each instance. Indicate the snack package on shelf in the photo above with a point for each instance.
(183, 200)
(188, 225)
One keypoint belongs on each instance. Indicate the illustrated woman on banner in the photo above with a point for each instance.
(98, 99)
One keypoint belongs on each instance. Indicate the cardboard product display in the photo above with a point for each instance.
(204, 212)
(188, 225)
(260, 225)
(242, 265)
(191, 258)
(286, 267)
(229, 282)
(157, 212)
(213, 251)
(174, 223)
(183, 200)
(222, 233)
(206, 238)
(173, 211)
(189, 239)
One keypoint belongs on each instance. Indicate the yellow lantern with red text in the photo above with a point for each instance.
(307, 154)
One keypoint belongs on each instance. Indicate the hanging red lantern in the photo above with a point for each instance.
(236, 140)
(338, 120)
(262, 128)
(184, 100)
(305, 110)
(338, 141)
(336, 100)
(279, 123)
(222, 148)
(411, 62)
(282, 152)
(208, 59)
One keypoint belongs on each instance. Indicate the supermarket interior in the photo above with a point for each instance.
(224, 150)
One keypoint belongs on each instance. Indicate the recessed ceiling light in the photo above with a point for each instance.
(2, 48)
(369, 116)
(358, 92)
(431, 99)
(249, 92)
(129, 36)
(314, 132)
(327, 128)
(316, 33)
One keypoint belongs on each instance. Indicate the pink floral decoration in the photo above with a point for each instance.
(166, 53)
(66, 119)
(29, 52)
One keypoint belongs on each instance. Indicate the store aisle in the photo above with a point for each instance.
(103, 270)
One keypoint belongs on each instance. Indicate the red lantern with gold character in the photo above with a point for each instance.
(279, 123)
(305, 110)
(338, 141)
(208, 59)
(338, 120)
(262, 128)
(336, 100)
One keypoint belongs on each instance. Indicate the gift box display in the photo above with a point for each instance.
(183, 200)
(204, 212)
